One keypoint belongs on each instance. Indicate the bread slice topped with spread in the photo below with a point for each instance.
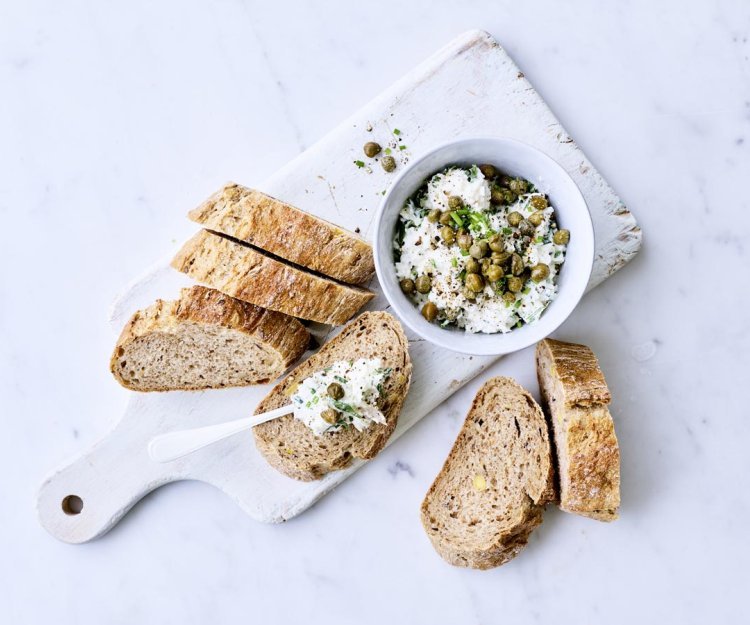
(575, 396)
(330, 427)
(205, 339)
(248, 274)
(287, 232)
(492, 489)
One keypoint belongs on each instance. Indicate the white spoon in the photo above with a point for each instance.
(173, 445)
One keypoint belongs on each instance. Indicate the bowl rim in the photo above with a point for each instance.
(447, 338)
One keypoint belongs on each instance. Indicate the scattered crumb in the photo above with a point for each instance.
(357, 230)
(368, 128)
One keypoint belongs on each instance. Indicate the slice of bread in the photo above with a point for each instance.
(292, 448)
(575, 396)
(492, 489)
(287, 232)
(250, 275)
(205, 340)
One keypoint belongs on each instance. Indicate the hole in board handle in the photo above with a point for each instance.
(72, 505)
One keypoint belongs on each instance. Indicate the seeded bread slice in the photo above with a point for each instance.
(492, 489)
(205, 340)
(287, 232)
(250, 275)
(575, 396)
(292, 448)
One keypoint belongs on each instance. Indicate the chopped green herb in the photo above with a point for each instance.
(340, 378)
(396, 131)
(402, 147)
(388, 150)
(454, 262)
(359, 164)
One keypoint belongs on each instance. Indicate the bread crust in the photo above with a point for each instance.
(575, 397)
(247, 274)
(287, 232)
(536, 492)
(198, 304)
(292, 448)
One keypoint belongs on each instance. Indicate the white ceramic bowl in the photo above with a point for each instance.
(516, 159)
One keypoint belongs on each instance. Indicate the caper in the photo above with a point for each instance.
(526, 227)
(509, 297)
(388, 163)
(488, 171)
(468, 293)
(434, 215)
(464, 240)
(515, 284)
(430, 311)
(494, 273)
(474, 282)
(516, 265)
(561, 237)
(505, 180)
(496, 243)
(423, 284)
(407, 286)
(372, 149)
(472, 266)
(539, 202)
(455, 202)
(536, 218)
(445, 218)
(485, 264)
(515, 218)
(448, 234)
(335, 390)
(539, 272)
(329, 416)
(479, 249)
(500, 258)
(497, 195)
(518, 186)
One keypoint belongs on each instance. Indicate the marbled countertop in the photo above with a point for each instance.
(115, 120)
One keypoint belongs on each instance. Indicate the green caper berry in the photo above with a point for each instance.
(516, 265)
(479, 249)
(536, 218)
(388, 163)
(496, 243)
(488, 171)
(464, 240)
(430, 311)
(474, 282)
(448, 235)
(485, 264)
(510, 196)
(539, 202)
(497, 195)
(445, 218)
(515, 218)
(539, 272)
(433, 216)
(515, 284)
(472, 266)
(455, 202)
(505, 180)
(509, 297)
(335, 390)
(372, 149)
(423, 284)
(494, 273)
(561, 237)
(329, 416)
(518, 186)
(526, 227)
(468, 293)
(407, 286)
(500, 258)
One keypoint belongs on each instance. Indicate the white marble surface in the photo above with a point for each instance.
(115, 120)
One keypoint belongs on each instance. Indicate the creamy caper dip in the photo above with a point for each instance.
(479, 250)
(343, 395)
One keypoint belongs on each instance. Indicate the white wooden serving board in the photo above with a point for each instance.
(469, 88)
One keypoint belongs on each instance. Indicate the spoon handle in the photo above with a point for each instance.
(173, 445)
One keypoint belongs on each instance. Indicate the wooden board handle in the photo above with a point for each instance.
(84, 499)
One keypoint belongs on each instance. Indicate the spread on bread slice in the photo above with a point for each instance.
(287, 232)
(492, 489)
(249, 274)
(299, 451)
(206, 339)
(575, 396)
